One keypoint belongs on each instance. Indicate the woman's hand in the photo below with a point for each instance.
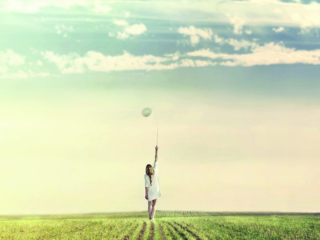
(146, 197)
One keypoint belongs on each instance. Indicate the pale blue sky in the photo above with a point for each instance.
(234, 85)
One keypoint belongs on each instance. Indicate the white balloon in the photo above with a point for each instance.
(146, 112)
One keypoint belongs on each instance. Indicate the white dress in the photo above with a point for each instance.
(154, 189)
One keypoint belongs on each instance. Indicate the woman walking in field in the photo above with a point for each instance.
(152, 186)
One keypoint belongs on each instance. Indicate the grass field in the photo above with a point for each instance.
(168, 225)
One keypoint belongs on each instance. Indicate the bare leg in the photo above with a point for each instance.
(150, 208)
(153, 207)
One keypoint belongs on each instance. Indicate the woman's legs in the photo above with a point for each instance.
(153, 207)
(149, 208)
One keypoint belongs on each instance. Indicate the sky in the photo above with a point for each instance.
(234, 92)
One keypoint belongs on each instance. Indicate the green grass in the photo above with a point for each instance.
(168, 225)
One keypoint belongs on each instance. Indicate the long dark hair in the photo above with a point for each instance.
(149, 172)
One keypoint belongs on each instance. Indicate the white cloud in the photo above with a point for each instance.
(62, 28)
(311, 19)
(187, 63)
(217, 39)
(248, 32)
(34, 6)
(58, 29)
(195, 33)
(174, 56)
(135, 29)
(23, 7)
(95, 61)
(66, 63)
(235, 43)
(258, 13)
(241, 44)
(237, 23)
(200, 63)
(123, 35)
(120, 22)
(100, 7)
(9, 59)
(263, 55)
(194, 39)
(206, 53)
(280, 29)
(274, 13)
(10, 64)
(277, 10)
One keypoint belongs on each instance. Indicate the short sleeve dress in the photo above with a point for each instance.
(154, 189)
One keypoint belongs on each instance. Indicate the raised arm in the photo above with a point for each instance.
(156, 157)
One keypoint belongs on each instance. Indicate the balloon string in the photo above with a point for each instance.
(157, 127)
(157, 145)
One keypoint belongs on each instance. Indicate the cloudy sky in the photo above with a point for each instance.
(234, 87)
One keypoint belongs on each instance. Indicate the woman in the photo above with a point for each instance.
(152, 186)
